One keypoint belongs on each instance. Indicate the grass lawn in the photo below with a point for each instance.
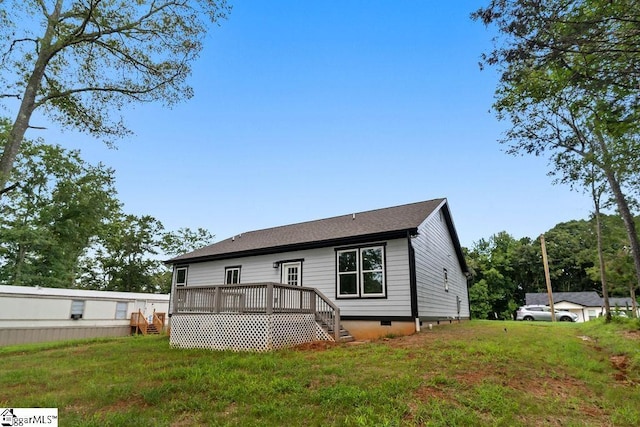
(475, 373)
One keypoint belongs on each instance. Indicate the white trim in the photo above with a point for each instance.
(121, 310)
(377, 270)
(345, 273)
(186, 274)
(284, 273)
(360, 272)
(231, 270)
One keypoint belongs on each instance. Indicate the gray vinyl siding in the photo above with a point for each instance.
(319, 271)
(435, 251)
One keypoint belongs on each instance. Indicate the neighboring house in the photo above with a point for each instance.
(587, 305)
(383, 271)
(36, 314)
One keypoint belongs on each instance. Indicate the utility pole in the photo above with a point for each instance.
(547, 278)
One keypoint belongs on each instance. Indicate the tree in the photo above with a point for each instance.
(123, 258)
(185, 240)
(61, 204)
(64, 227)
(504, 269)
(570, 87)
(80, 62)
(571, 250)
(126, 256)
(617, 262)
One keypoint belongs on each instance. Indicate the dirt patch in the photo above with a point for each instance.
(428, 392)
(632, 335)
(621, 364)
(427, 336)
(315, 346)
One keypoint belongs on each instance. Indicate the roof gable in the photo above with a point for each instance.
(379, 223)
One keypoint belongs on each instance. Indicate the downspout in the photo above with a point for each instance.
(413, 288)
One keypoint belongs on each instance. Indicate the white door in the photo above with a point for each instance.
(292, 273)
(140, 305)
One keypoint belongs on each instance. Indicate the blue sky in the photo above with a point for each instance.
(306, 110)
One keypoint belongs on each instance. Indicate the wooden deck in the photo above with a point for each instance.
(259, 298)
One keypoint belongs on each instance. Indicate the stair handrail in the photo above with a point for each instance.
(158, 321)
(140, 322)
(336, 313)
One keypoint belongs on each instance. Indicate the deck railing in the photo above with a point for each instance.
(158, 320)
(258, 298)
(139, 322)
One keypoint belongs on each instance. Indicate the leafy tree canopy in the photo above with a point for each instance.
(504, 269)
(570, 88)
(81, 62)
(63, 226)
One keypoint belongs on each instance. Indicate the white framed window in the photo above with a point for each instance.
(181, 276)
(77, 309)
(361, 272)
(121, 310)
(231, 275)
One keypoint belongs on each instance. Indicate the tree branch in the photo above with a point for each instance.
(14, 43)
(9, 188)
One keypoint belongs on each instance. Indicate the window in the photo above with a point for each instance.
(181, 276)
(291, 273)
(446, 280)
(361, 272)
(121, 310)
(77, 309)
(231, 275)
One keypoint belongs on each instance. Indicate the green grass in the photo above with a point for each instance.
(469, 374)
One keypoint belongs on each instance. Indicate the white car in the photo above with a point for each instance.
(542, 312)
(619, 313)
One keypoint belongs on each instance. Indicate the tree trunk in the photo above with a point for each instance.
(603, 276)
(28, 103)
(623, 207)
(634, 303)
(629, 224)
(17, 271)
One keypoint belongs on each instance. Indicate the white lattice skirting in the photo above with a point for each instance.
(244, 332)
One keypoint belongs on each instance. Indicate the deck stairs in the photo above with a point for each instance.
(140, 325)
(152, 329)
(345, 336)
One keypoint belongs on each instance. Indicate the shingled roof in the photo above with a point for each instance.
(586, 299)
(384, 223)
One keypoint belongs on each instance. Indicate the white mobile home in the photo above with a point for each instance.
(29, 314)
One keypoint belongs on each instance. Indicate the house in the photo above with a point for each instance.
(379, 272)
(39, 314)
(587, 305)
